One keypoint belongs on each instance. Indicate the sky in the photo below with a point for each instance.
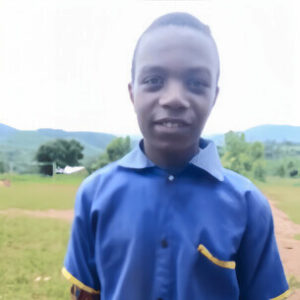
(65, 64)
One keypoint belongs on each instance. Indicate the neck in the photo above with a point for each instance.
(170, 159)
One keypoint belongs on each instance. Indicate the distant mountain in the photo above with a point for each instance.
(20, 146)
(278, 133)
(6, 131)
(264, 133)
(95, 139)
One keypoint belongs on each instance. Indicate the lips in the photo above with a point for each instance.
(172, 123)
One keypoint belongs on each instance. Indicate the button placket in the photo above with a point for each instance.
(164, 253)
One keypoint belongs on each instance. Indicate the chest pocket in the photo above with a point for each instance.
(221, 263)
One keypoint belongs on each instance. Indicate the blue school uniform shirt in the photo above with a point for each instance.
(140, 232)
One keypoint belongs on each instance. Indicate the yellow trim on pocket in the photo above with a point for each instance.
(78, 283)
(220, 263)
(283, 296)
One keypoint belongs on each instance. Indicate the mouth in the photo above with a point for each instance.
(172, 123)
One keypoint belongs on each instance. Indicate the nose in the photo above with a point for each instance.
(173, 96)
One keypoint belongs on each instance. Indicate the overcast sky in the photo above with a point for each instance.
(66, 63)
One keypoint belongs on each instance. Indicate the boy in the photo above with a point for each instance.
(167, 222)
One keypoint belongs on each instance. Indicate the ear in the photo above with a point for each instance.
(130, 90)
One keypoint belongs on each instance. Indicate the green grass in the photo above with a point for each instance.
(36, 178)
(31, 248)
(35, 192)
(293, 283)
(35, 247)
(297, 237)
(285, 192)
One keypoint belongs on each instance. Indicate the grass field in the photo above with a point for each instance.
(285, 192)
(32, 249)
(40, 193)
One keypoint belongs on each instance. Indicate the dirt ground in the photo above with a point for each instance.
(51, 213)
(289, 248)
(285, 231)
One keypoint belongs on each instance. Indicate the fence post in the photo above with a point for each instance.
(53, 168)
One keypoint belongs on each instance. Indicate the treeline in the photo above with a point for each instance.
(253, 160)
(257, 160)
(242, 157)
(61, 153)
(114, 151)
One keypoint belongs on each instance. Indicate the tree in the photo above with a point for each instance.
(280, 171)
(291, 169)
(290, 165)
(256, 151)
(114, 151)
(118, 148)
(2, 167)
(259, 170)
(236, 153)
(60, 151)
(235, 143)
(242, 157)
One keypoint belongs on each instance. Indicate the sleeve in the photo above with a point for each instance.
(259, 269)
(79, 265)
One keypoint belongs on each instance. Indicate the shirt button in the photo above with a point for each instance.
(164, 243)
(171, 177)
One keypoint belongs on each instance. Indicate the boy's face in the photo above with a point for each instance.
(175, 86)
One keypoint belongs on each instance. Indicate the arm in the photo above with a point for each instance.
(259, 268)
(80, 267)
(78, 294)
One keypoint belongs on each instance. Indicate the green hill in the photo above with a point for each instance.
(19, 146)
(6, 131)
(266, 133)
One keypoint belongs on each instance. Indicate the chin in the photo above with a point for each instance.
(174, 145)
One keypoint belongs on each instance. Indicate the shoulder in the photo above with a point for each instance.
(237, 181)
(95, 179)
(92, 186)
(254, 199)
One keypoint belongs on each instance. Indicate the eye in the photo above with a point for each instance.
(196, 85)
(153, 82)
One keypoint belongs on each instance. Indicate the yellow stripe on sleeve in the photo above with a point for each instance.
(78, 283)
(283, 296)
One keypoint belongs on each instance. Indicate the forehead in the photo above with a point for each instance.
(174, 48)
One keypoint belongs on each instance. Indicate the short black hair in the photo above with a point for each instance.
(179, 19)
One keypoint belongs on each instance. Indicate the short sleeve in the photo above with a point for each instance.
(79, 265)
(259, 269)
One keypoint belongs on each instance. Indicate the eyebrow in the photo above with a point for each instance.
(153, 69)
(200, 70)
(189, 71)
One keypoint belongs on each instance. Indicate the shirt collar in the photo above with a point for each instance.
(207, 159)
